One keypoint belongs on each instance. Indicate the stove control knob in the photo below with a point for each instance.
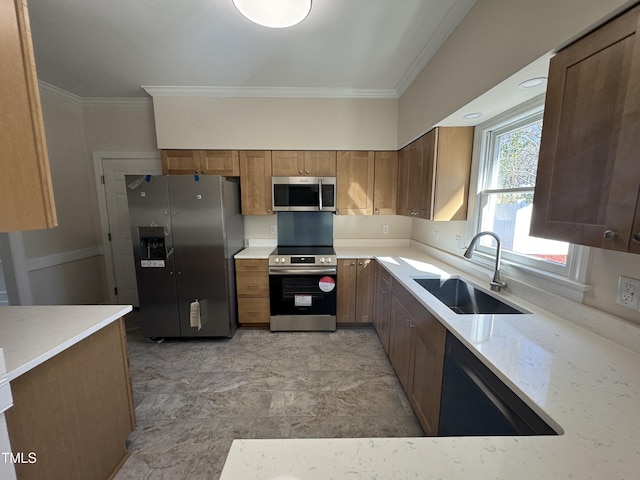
(328, 259)
(283, 260)
(277, 260)
(322, 260)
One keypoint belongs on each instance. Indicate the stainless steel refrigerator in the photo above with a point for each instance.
(185, 232)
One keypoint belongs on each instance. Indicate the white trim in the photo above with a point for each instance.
(18, 260)
(98, 158)
(93, 101)
(262, 92)
(459, 10)
(48, 261)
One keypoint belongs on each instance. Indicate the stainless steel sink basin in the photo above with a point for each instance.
(463, 298)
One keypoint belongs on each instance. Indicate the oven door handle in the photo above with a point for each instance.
(302, 271)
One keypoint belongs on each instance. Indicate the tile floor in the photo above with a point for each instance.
(193, 397)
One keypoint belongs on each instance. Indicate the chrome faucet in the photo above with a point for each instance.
(496, 284)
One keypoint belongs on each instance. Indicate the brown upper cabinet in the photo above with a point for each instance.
(588, 181)
(433, 174)
(205, 162)
(354, 182)
(295, 163)
(255, 182)
(26, 192)
(385, 183)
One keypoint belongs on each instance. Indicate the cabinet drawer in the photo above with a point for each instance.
(252, 284)
(252, 265)
(425, 322)
(253, 310)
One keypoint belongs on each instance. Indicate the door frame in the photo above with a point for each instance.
(98, 161)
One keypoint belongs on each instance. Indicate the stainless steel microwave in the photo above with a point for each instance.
(303, 194)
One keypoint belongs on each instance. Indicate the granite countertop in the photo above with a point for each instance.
(585, 386)
(31, 335)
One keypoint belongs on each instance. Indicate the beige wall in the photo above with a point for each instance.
(120, 128)
(276, 123)
(496, 39)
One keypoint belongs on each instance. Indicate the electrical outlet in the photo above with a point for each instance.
(437, 237)
(458, 244)
(628, 292)
(385, 229)
(273, 230)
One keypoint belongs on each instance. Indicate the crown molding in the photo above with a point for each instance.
(458, 11)
(93, 101)
(268, 92)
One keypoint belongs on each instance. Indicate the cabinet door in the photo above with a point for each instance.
(415, 183)
(400, 343)
(320, 163)
(346, 295)
(385, 188)
(588, 170)
(26, 192)
(289, 163)
(365, 281)
(220, 162)
(354, 178)
(255, 182)
(402, 205)
(181, 162)
(426, 383)
(426, 153)
(382, 306)
(451, 171)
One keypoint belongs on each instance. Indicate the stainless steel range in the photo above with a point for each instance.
(302, 277)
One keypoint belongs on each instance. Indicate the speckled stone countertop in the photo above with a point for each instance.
(585, 386)
(32, 335)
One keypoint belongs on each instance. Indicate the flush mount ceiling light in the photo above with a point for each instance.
(274, 13)
(471, 116)
(533, 82)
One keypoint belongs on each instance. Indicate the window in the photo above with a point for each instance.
(507, 166)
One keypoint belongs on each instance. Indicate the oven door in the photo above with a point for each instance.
(302, 299)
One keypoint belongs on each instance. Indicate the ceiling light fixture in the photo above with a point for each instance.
(471, 116)
(274, 13)
(533, 82)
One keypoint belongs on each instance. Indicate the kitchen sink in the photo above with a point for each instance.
(465, 299)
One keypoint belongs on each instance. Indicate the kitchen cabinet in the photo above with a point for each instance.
(204, 162)
(355, 290)
(26, 192)
(434, 173)
(588, 180)
(255, 182)
(385, 183)
(382, 304)
(416, 351)
(295, 163)
(252, 291)
(354, 182)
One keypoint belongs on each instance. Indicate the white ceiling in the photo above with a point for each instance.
(98, 48)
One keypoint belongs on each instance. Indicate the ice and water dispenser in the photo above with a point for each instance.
(153, 251)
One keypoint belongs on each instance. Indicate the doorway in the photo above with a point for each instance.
(110, 170)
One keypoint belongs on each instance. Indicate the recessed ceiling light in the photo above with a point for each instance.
(533, 82)
(274, 13)
(471, 116)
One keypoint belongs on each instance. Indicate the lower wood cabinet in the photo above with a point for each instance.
(355, 290)
(382, 304)
(252, 290)
(416, 351)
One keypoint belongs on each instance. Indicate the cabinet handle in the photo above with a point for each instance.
(269, 210)
(253, 311)
(609, 234)
(636, 237)
(382, 290)
(377, 210)
(353, 263)
(300, 172)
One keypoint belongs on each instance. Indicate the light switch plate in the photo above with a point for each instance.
(628, 292)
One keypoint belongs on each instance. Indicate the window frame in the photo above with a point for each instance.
(567, 280)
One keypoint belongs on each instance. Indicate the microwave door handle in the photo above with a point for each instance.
(320, 192)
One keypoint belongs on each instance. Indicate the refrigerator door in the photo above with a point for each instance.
(153, 253)
(198, 236)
